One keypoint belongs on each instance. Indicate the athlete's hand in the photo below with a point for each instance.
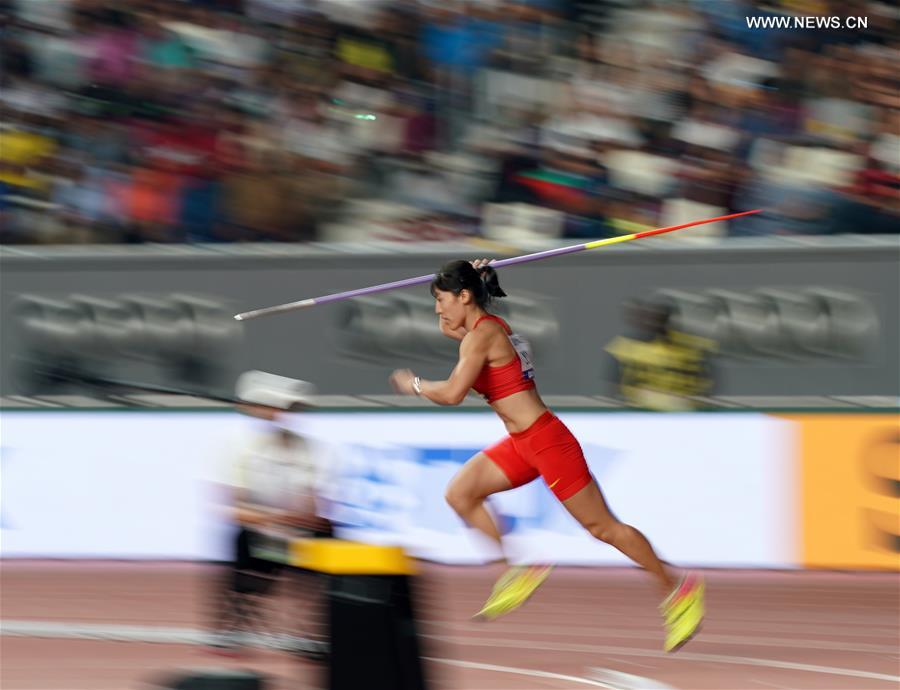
(402, 381)
(478, 264)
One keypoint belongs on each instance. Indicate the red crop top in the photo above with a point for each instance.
(502, 381)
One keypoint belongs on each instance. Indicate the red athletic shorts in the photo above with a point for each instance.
(546, 448)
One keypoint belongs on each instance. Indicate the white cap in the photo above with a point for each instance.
(262, 388)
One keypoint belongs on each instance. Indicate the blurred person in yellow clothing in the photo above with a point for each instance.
(26, 160)
(22, 153)
(658, 367)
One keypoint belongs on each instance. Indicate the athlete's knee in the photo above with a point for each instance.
(609, 531)
(459, 499)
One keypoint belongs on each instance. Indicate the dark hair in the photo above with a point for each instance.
(457, 276)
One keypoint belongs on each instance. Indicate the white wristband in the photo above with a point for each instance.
(417, 385)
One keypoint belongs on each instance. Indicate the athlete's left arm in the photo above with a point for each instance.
(453, 390)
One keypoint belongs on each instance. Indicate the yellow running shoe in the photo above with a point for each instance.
(512, 590)
(683, 611)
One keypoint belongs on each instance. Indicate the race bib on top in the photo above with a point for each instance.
(523, 349)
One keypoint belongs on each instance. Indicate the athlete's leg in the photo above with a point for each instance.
(560, 459)
(498, 468)
(683, 606)
(589, 508)
(479, 478)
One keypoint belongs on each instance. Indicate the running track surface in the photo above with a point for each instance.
(584, 628)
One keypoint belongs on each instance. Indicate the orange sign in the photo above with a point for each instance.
(850, 490)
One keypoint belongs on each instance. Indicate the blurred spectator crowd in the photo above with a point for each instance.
(335, 120)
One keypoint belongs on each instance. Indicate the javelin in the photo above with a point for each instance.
(421, 280)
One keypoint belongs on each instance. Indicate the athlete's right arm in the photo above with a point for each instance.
(456, 334)
(472, 357)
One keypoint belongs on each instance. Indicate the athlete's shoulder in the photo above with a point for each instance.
(481, 338)
(484, 331)
(493, 324)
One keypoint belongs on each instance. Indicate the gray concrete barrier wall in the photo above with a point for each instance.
(792, 316)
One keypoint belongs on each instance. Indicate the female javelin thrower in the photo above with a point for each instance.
(496, 363)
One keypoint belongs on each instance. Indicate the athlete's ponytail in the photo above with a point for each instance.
(457, 276)
(491, 282)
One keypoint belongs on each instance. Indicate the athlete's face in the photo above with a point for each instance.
(451, 308)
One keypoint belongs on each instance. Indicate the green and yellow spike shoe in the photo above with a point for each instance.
(683, 611)
(512, 590)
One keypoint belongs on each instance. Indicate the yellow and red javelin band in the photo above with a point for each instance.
(660, 231)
